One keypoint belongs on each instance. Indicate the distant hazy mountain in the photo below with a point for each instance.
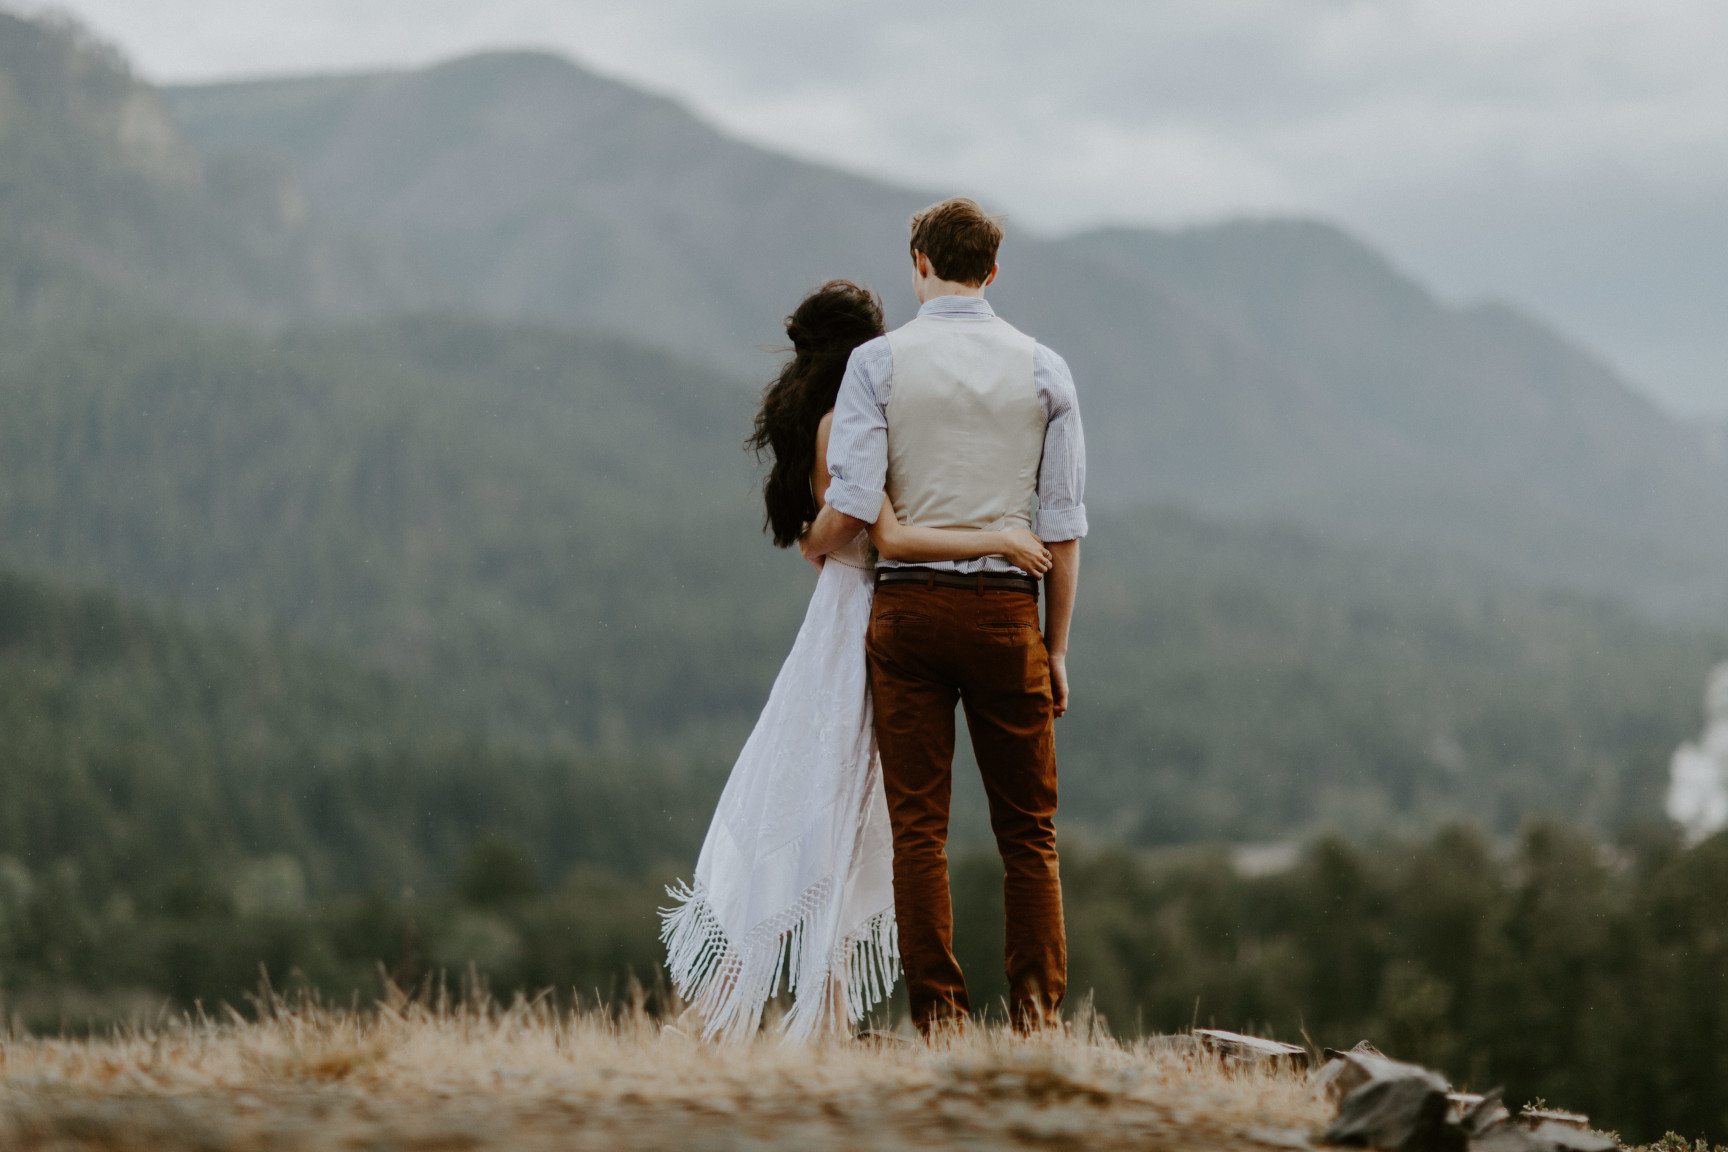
(1292, 371)
(103, 205)
(531, 189)
(1272, 368)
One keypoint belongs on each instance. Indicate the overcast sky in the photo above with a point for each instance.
(1568, 155)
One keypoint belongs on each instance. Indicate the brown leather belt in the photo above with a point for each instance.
(980, 582)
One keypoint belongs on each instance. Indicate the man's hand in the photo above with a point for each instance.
(1060, 585)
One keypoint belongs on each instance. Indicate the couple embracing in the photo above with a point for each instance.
(908, 466)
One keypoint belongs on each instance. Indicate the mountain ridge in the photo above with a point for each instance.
(1347, 398)
(504, 232)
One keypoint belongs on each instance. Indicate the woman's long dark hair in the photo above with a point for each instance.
(824, 329)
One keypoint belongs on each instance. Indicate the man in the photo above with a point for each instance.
(965, 423)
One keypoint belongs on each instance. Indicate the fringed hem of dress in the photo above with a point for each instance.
(728, 987)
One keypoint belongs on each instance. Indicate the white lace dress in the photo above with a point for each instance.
(795, 879)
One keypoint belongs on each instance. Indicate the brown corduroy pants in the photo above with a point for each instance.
(930, 647)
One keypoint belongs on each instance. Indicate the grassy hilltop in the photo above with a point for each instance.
(531, 1077)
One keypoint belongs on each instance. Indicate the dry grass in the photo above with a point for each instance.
(418, 1075)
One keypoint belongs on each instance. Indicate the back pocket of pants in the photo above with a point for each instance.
(1014, 632)
(891, 624)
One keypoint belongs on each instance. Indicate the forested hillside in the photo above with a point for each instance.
(151, 758)
(557, 533)
(553, 524)
(180, 803)
(1234, 682)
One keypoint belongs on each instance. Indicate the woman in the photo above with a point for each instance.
(795, 879)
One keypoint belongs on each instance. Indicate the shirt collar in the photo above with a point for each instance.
(957, 306)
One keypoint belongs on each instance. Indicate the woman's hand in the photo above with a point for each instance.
(1025, 551)
(817, 559)
(917, 545)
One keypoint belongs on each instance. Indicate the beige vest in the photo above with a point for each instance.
(965, 427)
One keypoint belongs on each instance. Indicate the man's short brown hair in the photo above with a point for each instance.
(959, 239)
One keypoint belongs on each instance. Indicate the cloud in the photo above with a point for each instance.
(1570, 154)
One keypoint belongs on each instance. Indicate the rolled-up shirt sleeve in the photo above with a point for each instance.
(858, 438)
(1062, 474)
